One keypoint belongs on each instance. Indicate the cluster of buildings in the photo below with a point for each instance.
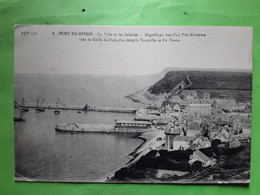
(192, 122)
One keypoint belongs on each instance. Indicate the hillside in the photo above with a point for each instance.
(217, 80)
(174, 81)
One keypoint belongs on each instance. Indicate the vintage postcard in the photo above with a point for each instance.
(128, 104)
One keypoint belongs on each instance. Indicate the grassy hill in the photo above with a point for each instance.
(218, 80)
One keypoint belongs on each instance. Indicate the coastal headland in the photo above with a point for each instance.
(196, 127)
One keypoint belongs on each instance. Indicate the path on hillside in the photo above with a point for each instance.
(190, 83)
(171, 92)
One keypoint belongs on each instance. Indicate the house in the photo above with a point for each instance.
(175, 98)
(204, 109)
(201, 142)
(153, 112)
(177, 108)
(206, 99)
(223, 123)
(197, 120)
(183, 105)
(168, 108)
(246, 132)
(245, 115)
(201, 157)
(189, 93)
(206, 96)
(182, 142)
(214, 131)
(160, 122)
(234, 143)
(171, 133)
(193, 129)
(239, 107)
(147, 115)
(224, 103)
(132, 124)
(223, 136)
(169, 115)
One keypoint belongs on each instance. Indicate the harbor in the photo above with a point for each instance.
(73, 148)
(188, 123)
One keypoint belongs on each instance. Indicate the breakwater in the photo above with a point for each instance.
(78, 107)
(96, 128)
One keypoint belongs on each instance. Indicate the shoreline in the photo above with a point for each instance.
(139, 152)
(108, 176)
(137, 136)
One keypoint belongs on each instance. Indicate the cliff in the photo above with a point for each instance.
(175, 81)
(217, 80)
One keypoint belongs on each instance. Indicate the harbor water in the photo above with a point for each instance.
(42, 154)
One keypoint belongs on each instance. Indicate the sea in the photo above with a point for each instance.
(42, 154)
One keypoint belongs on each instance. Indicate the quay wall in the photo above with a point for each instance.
(79, 107)
(96, 128)
(111, 109)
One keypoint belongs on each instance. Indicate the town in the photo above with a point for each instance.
(190, 122)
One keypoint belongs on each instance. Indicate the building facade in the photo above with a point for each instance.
(204, 109)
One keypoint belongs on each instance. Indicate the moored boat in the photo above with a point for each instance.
(39, 109)
(24, 109)
(19, 119)
(56, 112)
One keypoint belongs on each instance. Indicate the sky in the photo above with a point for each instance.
(222, 48)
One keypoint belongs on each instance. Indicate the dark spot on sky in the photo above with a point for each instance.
(83, 10)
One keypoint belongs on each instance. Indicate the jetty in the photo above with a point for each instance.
(77, 107)
(97, 128)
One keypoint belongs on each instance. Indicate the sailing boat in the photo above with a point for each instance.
(39, 107)
(57, 103)
(23, 109)
(19, 119)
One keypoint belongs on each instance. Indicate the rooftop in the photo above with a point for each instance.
(199, 105)
(205, 139)
(175, 130)
(193, 126)
(133, 122)
(202, 155)
(183, 138)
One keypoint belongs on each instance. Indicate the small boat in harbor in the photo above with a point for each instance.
(57, 106)
(56, 112)
(24, 109)
(39, 107)
(19, 119)
(24, 104)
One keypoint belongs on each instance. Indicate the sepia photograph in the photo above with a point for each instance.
(132, 104)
